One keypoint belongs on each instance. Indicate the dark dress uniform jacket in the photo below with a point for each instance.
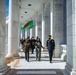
(32, 43)
(50, 44)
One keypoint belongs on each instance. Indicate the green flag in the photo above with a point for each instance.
(22, 27)
(28, 25)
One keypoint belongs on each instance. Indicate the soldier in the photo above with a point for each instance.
(32, 44)
(27, 48)
(38, 49)
(51, 46)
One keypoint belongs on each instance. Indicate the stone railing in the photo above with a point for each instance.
(63, 54)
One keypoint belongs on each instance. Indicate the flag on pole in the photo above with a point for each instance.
(28, 25)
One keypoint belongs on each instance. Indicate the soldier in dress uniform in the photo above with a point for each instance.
(51, 46)
(32, 44)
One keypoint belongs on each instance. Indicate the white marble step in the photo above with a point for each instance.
(36, 72)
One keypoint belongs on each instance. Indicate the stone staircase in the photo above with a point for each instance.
(35, 72)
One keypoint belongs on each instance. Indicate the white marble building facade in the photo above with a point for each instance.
(51, 19)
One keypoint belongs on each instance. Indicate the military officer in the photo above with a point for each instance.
(51, 46)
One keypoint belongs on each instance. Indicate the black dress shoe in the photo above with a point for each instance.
(50, 61)
(28, 60)
(39, 60)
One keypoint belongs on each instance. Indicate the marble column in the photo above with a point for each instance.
(36, 29)
(71, 37)
(47, 28)
(28, 32)
(25, 33)
(13, 29)
(51, 18)
(22, 34)
(3, 66)
(31, 33)
(39, 30)
(43, 30)
(32, 30)
(19, 37)
(7, 34)
(57, 24)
